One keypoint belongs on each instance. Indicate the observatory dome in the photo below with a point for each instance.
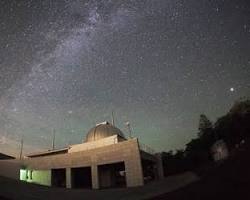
(103, 130)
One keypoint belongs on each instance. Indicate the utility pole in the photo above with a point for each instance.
(113, 119)
(53, 139)
(21, 149)
(129, 129)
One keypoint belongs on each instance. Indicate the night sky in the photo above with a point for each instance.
(67, 64)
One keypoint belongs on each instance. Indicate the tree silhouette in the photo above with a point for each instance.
(205, 126)
(232, 128)
(235, 125)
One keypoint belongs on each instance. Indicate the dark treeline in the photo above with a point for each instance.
(233, 128)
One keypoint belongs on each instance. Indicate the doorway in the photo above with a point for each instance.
(81, 177)
(58, 177)
(112, 175)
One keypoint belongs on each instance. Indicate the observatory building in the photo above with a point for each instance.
(105, 159)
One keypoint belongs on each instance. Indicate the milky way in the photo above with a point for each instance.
(66, 65)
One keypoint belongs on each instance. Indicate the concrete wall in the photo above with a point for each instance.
(159, 166)
(42, 177)
(10, 168)
(95, 144)
(13, 169)
(127, 152)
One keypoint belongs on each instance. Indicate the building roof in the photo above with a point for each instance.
(48, 153)
(103, 130)
(5, 156)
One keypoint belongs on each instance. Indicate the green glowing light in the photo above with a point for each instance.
(23, 174)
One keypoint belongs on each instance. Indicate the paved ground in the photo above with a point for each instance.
(10, 190)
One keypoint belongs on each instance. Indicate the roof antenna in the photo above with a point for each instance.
(129, 129)
(113, 119)
(53, 139)
(21, 149)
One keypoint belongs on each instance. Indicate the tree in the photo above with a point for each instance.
(241, 107)
(198, 150)
(234, 126)
(205, 126)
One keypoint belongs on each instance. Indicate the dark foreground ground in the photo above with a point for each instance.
(229, 180)
(11, 189)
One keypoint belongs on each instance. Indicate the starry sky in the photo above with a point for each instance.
(65, 65)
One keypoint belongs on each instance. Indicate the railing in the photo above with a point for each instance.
(146, 148)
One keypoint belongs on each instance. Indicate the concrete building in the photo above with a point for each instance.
(105, 159)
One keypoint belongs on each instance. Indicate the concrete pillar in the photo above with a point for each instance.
(133, 165)
(159, 166)
(68, 178)
(134, 173)
(94, 176)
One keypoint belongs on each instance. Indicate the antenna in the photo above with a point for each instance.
(129, 129)
(53, 139)
(113, 119)
(21, 149)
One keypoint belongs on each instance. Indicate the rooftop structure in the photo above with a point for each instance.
(103, 130)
